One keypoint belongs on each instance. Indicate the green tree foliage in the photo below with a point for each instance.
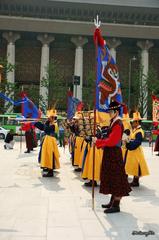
(143, 84)
(54, 82)
(137, 92)
(135, 89)
(7, 67)
(89, 91)
(13, 90)
(6, 87)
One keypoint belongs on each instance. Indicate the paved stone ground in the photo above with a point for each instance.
(59, 208)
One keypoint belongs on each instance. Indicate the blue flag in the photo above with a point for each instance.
(107, 83)
(29, 109)
(72, 104)
(15, 103)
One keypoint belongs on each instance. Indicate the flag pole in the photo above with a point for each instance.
(97, 24)
(93, 169)
(21, 140)
(152, 142)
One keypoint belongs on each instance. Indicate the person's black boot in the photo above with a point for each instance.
(77, 169)
(28, 151)
(89, 184)
(109, 204)
(48, 174)
(114, 208)
(135, 182)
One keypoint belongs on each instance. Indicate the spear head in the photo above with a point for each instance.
(97, 23)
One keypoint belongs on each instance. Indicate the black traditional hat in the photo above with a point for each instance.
(114, 105)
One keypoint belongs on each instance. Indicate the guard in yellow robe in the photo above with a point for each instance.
(81, 157)
(88, 165)
(135, 164)
(49, 154)
(77, 151)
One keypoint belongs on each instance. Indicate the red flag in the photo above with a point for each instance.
(80, 106)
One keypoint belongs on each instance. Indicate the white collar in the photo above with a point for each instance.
(114, 120)
(135, 129)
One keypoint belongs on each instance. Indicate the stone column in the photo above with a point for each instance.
(78, 68)
(113, 43)
(145, 46)
(11, 39)
(45, 39)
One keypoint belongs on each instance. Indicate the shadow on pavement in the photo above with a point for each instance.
(26, 155)
(121, 225)
(7, 230)
(51, 184)
(144, 194)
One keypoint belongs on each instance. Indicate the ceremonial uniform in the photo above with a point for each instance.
(156, 132)
(135, 160)
(77, 150)
(87, 168)
(30, 136)
(156, 149)
(135, 163)
(49, 154)
(83, 153)
(113, 177)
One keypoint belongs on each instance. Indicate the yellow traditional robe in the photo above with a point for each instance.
(84, 144)
(88, 166)
(77, 150)
(135, 158)
(49, 152)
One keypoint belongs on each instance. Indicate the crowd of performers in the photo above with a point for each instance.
(118, 152)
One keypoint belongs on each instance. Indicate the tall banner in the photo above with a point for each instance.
(29, 109)
(155, 108)
(15, 103)
(73, 105)
(108, 83)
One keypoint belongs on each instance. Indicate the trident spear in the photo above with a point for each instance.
(97, 24)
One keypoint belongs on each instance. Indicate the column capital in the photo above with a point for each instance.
(45, 38)
(145, 45)
(113, 42)
(11, 37)
(79, 41)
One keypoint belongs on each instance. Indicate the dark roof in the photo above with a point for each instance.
(142, 12)
(130, 3)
